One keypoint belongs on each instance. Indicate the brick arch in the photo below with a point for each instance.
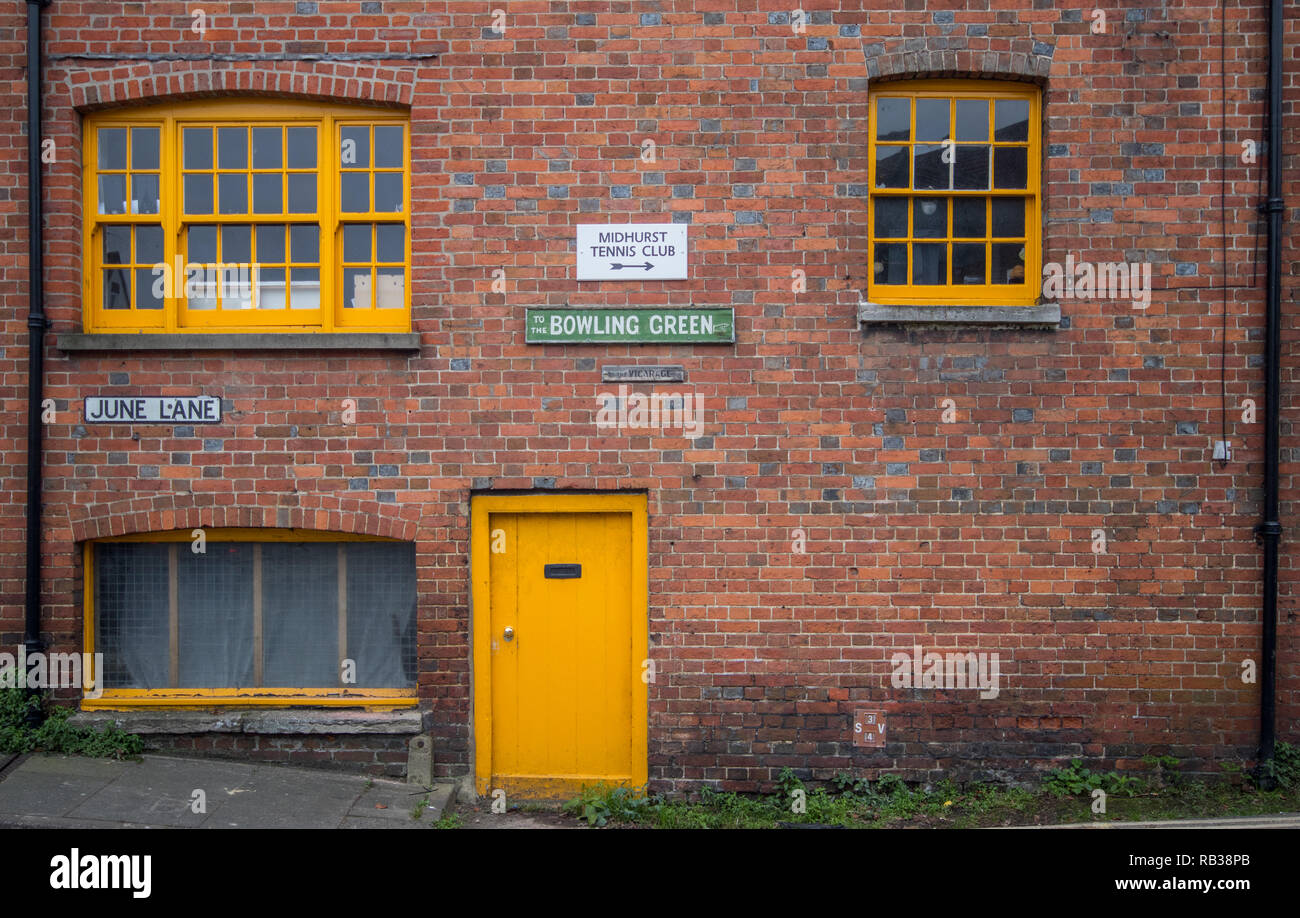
(162, 513)
(93, 88)
(1018, 61)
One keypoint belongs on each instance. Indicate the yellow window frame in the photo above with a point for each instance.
(1025, 293)
(379, 699)
(175, 316)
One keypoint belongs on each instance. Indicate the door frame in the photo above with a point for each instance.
(481, 506)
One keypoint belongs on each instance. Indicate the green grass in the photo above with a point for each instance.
(55, 736)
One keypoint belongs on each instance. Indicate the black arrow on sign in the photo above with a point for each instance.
(647, 266)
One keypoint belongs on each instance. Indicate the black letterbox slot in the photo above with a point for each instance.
(563, 571)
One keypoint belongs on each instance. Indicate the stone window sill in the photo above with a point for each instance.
(295, 722)
(1044, 315)
(252, 341)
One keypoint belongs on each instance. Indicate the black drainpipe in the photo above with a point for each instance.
(1269, 531)
(36, 323)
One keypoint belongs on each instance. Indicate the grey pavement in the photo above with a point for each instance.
(160, 792)
(1270, 821)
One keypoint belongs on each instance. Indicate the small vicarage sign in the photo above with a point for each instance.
(153, 409)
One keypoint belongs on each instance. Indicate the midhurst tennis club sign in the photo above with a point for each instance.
(597, 326)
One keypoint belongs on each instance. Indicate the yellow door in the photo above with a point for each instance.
(560, 642)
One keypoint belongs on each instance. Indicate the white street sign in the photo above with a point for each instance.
(632, 251)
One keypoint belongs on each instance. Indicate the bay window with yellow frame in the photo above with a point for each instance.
(955, 193)
(247, 215)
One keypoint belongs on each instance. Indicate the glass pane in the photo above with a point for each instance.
(112, 148)
(971, 170)
(236, 285)
(232, 148)
(891, 167)
(148, 245)
(302, 193)
(968, 217)
(931, 120)
(390, 242)
(268, 150)
(356, 243)
(931, 170)
(930, 218)
(117, 289)
(1011, 119)
(304, 244)
(381, 613)
(1008, 263)
(893, 119)
(929, 263)
(202, 245)
(356, 192)
(890, 263)
(131, 614)
(972, 119)
(233, 194)
(968, 263)
(270, 244)
(144, 147)
(354, 150)
(300, 615)
(356, 288)
(390, 288)
(388, 192)
(268, 193)
(301, 143)
(215, 599)
(198, 148)
(203, 282)
(305, 292)
(117, 245)
(1010, 167)
(112, 194)
(149, 289)
(236, 244)
(389, 148)
(198, 193)
(1009, 217)
(271, 288)
(144, 193)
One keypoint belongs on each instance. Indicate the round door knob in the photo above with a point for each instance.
(509, 633)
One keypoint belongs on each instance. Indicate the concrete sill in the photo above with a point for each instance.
(1044, 315)
(252, 341)
(295, 722)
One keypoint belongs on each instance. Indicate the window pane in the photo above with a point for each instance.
(1009, 217)
(112, 148)
(148, 289)
(929, 263)
(202, 242)
(270, 288)
(270, 243)
(148, 245)
(236, 243)
(301, 143)
(1011, 119)
(356, 242)
(971, 170)
(931, 170)
(233, 197)
(354, 152)
(893, 119)
(1010, 167)
(117, 245)
(389, 146)
(930, 218)
(144, 147)
(198, 193)
(198, 148)
(890, 263)
(144, 193)
(972, 119)
(388, 192)
(356, 192)
(390, 288)
(968, 217)
(268, 194)
(117, 289)
(132, 615)
(968, 263)
(302, 193)
(1008, 263)
(268, 150)
(356, 288)
(232, 148)
(305, 288)
(215, 612)
(300, 614)
(390, 242)
(304, 244)
(931, 120)
(112, 194)
(891, 167)
(381, 613)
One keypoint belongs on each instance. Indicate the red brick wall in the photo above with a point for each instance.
(973, 535)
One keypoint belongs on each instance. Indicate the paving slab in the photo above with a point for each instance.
(160, 791)
(30, 791)
(276, 800)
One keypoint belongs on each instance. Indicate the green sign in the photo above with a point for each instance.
(597, 326)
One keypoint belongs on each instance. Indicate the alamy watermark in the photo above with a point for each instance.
(53, 670)
(1109, 280)
(651, 411)
(956, 670)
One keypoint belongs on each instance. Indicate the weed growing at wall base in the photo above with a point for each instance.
(55, 735)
